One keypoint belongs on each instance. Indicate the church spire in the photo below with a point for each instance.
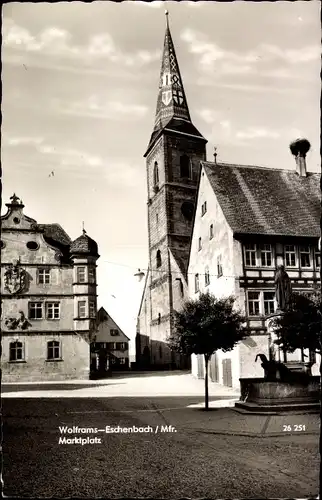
(172, 102)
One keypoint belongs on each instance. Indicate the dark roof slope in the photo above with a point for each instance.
(259, 200)
(175, 125)
(84, 245)
(55, 232)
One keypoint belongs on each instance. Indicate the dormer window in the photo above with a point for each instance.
(185, 167)
(156, 176)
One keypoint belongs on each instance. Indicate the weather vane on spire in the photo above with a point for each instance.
(167, 17)
(84, 232)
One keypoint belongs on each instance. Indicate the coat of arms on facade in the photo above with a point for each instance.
(15, 278)
(20, 323)
(166, 97)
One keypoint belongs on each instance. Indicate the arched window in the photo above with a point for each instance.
(53, 350)
(16, 351)
(156, 175)
(185, 166)
(159, 260)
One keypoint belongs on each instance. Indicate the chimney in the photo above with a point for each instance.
(299, 149)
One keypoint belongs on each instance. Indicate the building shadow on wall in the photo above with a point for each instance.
(155, 355)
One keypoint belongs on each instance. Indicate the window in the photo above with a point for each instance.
(53, 310)
(156, 176)
(31, 245)
(219, 266)
(185, 170)
(203, 208)
(211, 231)
(159, 319)
(199, 244)
(121, 345)
(158, 259)
(16, 351)
(35, 310)
(81, 275)
(305, 256)
(53, 350)
(250, 254)
(91, 275)
(92, 309)
(207, 276)
(122, 361)
(82, 309)
(111, 345)
(317, 257)
(265, 255)
(196, 283)
(187, 209)
(261, 303)
(290, 256)
(157, 218)
(180, 286)
(44, 276)
(114, 332)
(253, 303)
(269, 302)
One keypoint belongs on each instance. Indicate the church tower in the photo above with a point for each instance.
(173, 158)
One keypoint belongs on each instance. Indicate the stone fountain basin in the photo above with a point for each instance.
(263, 392)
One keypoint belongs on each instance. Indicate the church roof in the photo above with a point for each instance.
(172, 107)
(268, 201)
(84, 245)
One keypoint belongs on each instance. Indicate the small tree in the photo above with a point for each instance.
(204, 326)
(300, 326)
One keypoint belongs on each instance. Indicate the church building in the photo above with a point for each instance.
(173, 158)
(48, 299)
(219, 227)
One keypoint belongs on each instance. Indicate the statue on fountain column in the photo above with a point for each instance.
(283, 289)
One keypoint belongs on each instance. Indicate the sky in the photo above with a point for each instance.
(80, 83)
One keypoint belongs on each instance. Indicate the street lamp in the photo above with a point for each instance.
(139, 275)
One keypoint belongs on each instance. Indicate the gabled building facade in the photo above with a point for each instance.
(173, 158)
(248, 221)
(48, 299)
(110, 347)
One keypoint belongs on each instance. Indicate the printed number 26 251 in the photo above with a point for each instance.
(295, 427)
